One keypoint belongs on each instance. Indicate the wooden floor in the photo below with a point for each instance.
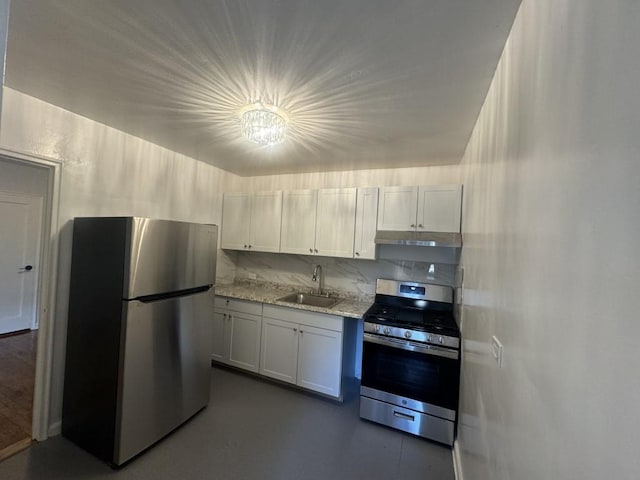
(17, 374)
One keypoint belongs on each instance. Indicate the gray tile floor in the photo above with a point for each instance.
(254, 429)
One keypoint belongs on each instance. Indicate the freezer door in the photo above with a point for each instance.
(165, 369)
(165, 256)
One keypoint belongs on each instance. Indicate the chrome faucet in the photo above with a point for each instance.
(317, 276)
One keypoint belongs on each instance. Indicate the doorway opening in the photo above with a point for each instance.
(28, 217)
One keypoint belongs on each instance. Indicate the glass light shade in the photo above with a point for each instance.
(263, 124)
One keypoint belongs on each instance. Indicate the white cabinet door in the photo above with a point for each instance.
(236, 220)
(279, 352)
(397, 208)
(266, 219)
(220, 351)
(299, 221)
(244, 340)
(320, 360)
(335, 222)
(366, 223)
(439, 208)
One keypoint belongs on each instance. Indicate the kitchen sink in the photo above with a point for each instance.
(309, 299)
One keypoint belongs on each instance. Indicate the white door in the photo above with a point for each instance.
(439, 208)
(320, 360)
(266, 218)
(397, 207)
(236, 218)
(335, 222)
(20, 231)
(244, 341)
(220, 350)
(299, 221)
(366, 222)
(279, 352)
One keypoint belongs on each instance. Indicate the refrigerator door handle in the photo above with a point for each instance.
(178, 293)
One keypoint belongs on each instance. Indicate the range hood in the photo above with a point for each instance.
(419, 239)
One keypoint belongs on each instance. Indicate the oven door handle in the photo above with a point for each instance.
(411, 346)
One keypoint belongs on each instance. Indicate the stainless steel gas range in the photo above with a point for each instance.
(411, 360)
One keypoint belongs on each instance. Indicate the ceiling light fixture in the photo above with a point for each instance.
(263, 124)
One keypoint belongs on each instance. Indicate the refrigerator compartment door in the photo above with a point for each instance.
(166, 256)
(166, 369)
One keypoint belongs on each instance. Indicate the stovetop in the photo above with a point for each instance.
(437, 322)
(432, 321)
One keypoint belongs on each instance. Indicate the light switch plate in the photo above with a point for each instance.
(252, 276)
(496, 350)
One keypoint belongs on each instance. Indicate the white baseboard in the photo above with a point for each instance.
(55, 428)
(457, 465)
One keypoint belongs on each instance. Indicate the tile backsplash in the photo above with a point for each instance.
(342, 274)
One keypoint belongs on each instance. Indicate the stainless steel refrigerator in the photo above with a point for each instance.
(139, 335)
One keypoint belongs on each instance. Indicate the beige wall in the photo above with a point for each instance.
(107, 172)
(551, 209)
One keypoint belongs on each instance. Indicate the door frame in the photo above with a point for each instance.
(46, 288)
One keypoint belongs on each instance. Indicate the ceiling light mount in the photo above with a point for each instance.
(263, 124)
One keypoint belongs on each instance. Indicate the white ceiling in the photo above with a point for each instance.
(366, 83)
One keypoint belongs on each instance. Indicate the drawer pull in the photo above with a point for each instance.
(404, 416)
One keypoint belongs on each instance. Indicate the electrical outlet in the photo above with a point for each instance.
(496, 350)
(252, 276)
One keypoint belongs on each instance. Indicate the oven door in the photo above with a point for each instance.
(417, 376)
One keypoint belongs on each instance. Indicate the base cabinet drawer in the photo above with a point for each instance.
(417, 423)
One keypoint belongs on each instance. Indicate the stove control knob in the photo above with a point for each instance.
(376, 328)
(440, 340)
(387, 330)
(428, 338)
(407, 334)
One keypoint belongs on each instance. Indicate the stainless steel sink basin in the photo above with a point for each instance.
(309, 299)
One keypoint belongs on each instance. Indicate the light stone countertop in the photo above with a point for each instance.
(348, 306)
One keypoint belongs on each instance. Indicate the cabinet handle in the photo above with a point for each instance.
(404, 416)
(295, 329)
(250, 245)
(413, 225)
(316, 250)
(245, 246)
(311, 250)
(420, 225)
(357, 254)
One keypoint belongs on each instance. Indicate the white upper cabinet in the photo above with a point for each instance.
(252, 221)
(397, 208)
(335, 222)
(319, 222)
(266, 218)
(433, 208)
(366, 223)
(236, 218)
(439, 208)
(299, 221)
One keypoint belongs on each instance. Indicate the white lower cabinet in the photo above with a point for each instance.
(237, 327)
(302, 348)
(320, 360)
(279, 350)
